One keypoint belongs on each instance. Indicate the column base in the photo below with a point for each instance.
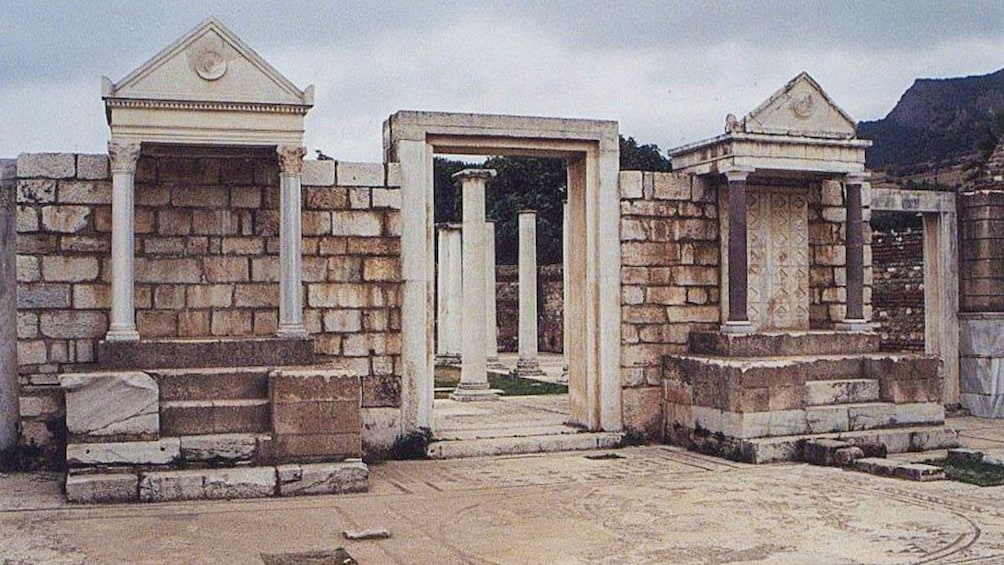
(292, 331)
(479, 392)
(737, 327)
(528, 368)
(854, 326)
(122, 334)
(494, 363)
(448, 359)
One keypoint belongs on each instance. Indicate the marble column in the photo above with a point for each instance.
(527, 363)
(290, 242)
(474, 371)
(123, 156)
(491, 310)
(566, 326)
(9, 404)
(449, 285)
(738, 319)
(854, 320)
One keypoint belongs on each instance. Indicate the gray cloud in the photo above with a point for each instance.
(669, 72)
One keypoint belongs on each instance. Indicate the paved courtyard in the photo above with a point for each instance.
(653, 504)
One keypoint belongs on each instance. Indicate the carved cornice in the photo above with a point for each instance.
(204, 105)
(291, 158)
(123, 155)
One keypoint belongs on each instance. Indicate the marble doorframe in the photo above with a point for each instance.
(592, 152)
(941, 273)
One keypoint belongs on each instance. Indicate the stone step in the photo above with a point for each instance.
(220, 449)
(520, 445)
(200, 417)
(841, 391)
(899, 469)
(770, 344)
(212, 383)
(895, 440)
(850, 417)
(505, 431)
(348, 476)
(175, 353)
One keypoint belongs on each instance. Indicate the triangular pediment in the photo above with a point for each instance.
(800, 108)
(209, 64)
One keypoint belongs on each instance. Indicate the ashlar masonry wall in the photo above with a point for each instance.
(669, 275)
(207, 226)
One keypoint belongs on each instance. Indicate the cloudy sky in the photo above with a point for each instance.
(669, 72)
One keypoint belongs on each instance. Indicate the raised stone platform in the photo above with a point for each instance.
(205, 352)
(769, 344)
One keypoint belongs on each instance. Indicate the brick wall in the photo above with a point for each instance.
(669, 275)
(550, 307)
(898, 297)
(982, 267)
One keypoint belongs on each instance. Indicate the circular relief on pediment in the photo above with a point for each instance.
(210, 64)
(803, 106)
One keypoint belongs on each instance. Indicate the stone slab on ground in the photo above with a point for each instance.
(522, 445)
(102, 488)
(111, 406)
(158, 452)
(899, 469)
(322, 478)
(895, 440)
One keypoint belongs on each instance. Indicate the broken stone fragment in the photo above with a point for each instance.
(122, 405)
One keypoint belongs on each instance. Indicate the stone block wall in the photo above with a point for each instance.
(828, 255)
(207, 226)
(670, 280)
(550, 308)
(898, 291)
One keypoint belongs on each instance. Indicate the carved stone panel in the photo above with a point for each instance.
(778, 243)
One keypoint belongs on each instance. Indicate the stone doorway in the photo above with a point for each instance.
(591, 150)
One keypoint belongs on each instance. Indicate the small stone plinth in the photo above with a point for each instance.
(209, 352)
(102, 488)
(322, 478)
(766, 344)
(528, 368)
(111, 406)
(316, 415)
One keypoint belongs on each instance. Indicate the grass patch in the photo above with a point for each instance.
(972, 472)
(510, 385)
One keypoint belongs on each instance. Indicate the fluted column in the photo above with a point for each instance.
(527, 363)
(290, 242)
(854, 319)
(123, 156)
(491, 309)
(738, 319)
(473, 371)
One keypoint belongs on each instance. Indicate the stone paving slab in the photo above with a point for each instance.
(649, 505)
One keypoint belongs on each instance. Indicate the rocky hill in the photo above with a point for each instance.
(937, 123)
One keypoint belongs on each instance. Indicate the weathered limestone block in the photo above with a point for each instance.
(69, 269)
(111, 405)
(43, 295)
(65, 219)
(50, 165)
(380, 428)
(315, 414)
(387, 198)
(73, 324)
(92, 167)
(630, 184)
(356, 223)
(360, 174)
(318, 173)
(322, 478)
(101, 488)
(247, 482)
(219, 447)
(159, 452)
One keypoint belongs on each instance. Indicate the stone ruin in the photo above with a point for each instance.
(202, 313)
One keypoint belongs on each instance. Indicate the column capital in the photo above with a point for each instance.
(526, 211)
(123, 155)
(473, 174)
(857, 177)
(737, 174)
(291, 158)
